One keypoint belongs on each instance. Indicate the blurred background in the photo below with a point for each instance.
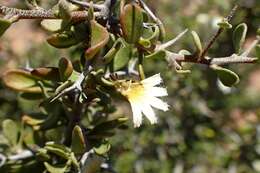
(209, 128)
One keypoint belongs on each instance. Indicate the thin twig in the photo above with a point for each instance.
(233, 59)
(48, 14)
(220, 30)
(250, 48)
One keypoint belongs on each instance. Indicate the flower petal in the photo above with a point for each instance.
(158, 103)
(149, 113)
(156, 91)
(137, 114)
(153, 80)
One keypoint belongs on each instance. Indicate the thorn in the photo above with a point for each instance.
(171, 42)
(250, 48)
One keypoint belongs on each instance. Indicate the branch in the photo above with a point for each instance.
(39, 13)
(233, 59)
(49, 14)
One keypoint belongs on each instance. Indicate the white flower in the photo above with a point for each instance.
(142, 96)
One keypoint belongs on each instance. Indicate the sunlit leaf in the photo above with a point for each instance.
(131, 19)
(63, 40)
(99, 38)
(78, 145)
(11, 131)
(21, 80)
(52, 25)
(121, 58)
(102, 148)
(197, 41)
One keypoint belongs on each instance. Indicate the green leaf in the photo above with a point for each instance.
(99, 38)
(32, 121)
(4, 25)
(239, 36)
(42, 154)
(151, 33)
(11, 131)
(58, 149)
(258, 32)
(74, 161)
(224, 24)
(110, 55)
(56, 169)
(131, 19)
(226, 76)
(65, 69)
(46, 73)
(63, 40)
(197, 41)
(78, 145)
(52, 25)
(145, 42)
(121, 58)
(21, 80)
(102, 148)
(184, 52)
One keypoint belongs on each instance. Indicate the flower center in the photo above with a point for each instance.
(132, 90)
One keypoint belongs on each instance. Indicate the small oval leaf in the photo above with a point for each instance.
(224, 24)
(102, 148)
(52, 25)
(99, 38)
(226, 76)
(121, 58)
(78, 145)
(10, 131)
(56, 169)
(65, 68)
(131, 19)
(4, 25)
(110, 55)
(63, 40)
(21, 80)
(239, 36)
(46, 73)
(197, 41)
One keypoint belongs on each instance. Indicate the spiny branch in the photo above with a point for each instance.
(49, 14)
(233, 59)
(176, 59)
(39, 14)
